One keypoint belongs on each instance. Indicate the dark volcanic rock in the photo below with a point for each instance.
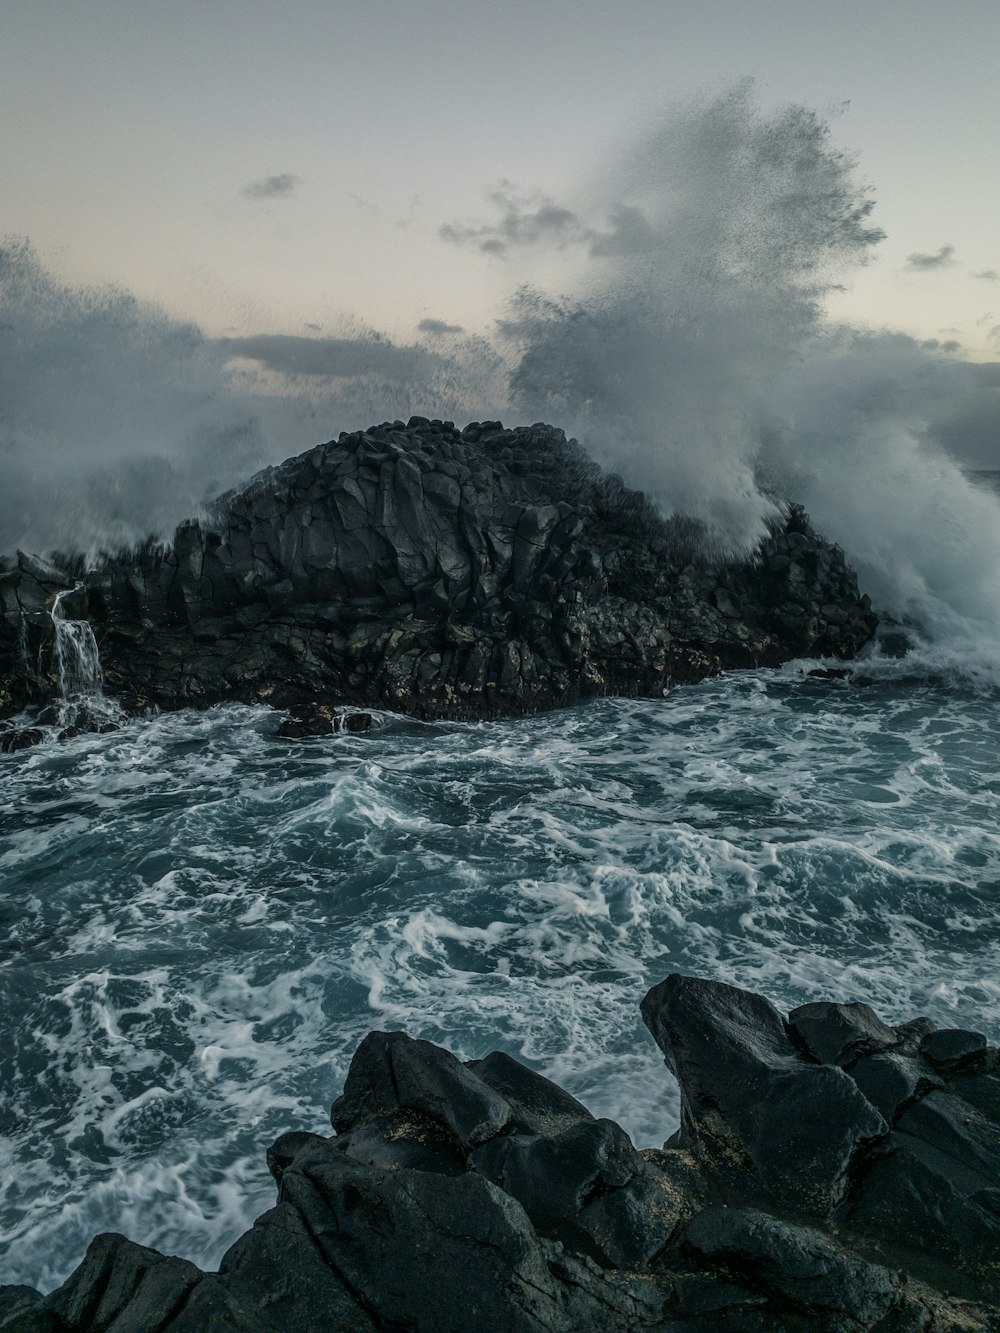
(764, 1120)
(800, 1194)
(482, 573)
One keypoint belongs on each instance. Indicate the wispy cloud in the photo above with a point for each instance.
(438, 326)
(988, 275)
(271, 187)
(943, 258)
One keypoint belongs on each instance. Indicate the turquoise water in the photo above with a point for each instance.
(201, 920)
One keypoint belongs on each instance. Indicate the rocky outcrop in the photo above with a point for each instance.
(473, 573)
(831, 1174)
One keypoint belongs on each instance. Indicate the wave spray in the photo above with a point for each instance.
(694, 357)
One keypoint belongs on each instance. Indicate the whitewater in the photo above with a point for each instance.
(201, 919)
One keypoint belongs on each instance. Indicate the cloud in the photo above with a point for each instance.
(360, 202)
(271, 187)
(331, 358)
(988, 275)
(936, 345)
(923, 263)
(535, 219)
(525, 220)
(438, 326)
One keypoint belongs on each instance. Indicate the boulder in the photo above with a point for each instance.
(471, 574)
(753, 1109)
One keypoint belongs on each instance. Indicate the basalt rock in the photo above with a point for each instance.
(831, 1174)
(445, 573)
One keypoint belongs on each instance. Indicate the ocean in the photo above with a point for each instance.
(201, 920)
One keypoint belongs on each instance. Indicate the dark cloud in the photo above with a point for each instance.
(988, 275)
(271, 187)
(331, 358)
(438, 326)
(943, 258)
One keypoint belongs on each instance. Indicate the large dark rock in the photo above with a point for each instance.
(828, 1177)
(443, 573)
(764, 1119)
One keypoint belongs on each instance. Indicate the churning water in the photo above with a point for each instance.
(200, 920)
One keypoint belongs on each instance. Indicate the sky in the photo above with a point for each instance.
(288, 168)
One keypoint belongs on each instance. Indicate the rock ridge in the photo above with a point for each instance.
(471, 573)
(830, 1173)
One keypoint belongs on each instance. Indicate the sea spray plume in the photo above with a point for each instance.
(116, 420)
(726, 228)
(864, 456)
(697, 361)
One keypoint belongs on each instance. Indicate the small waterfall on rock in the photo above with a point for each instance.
(77, 657)
(82, 701)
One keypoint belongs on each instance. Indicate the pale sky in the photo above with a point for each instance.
(270, 168)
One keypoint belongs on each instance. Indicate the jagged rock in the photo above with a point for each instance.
(391, 1071)
(751, 1107)
(839, 1034)
(539, 1106)
(958, 1051)
(316, 719)
(891, 1081)
(588, 1186)
(283, 1150)
(796, 1263)
(120, 1286)
(481, 1196)
(20, 738)
(17, 1300)
(451, 574)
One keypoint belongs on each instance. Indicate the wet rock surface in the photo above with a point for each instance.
(480, 1195)
(464, 574)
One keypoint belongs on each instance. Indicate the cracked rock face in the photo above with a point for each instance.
(831, 1173)
(464, 574)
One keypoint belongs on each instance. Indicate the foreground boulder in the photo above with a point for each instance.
(830, 1174)
(445, 573)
